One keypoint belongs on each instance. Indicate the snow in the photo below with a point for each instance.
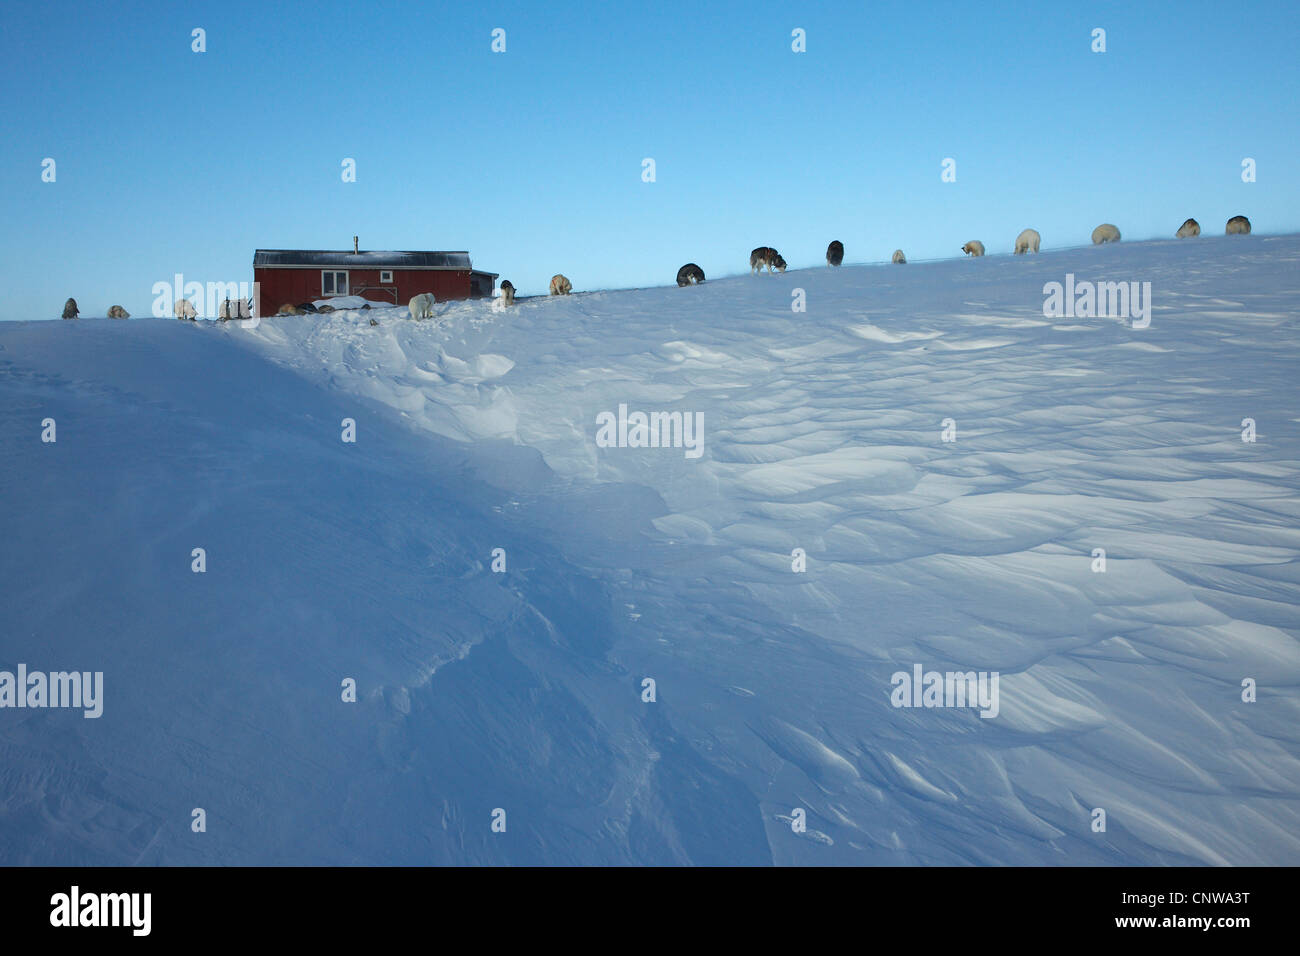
(522, 690)
(342, 302)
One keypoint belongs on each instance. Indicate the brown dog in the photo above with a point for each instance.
(765, 256)
(560, 285)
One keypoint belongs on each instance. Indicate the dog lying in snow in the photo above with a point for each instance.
(690, 274)
(70, 310)
(1238, 226)
(1188, 229)
(560, 285)
(421, 306)
(117, 312)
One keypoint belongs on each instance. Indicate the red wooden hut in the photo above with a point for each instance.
(391, 278)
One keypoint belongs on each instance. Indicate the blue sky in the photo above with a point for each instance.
(173, 161)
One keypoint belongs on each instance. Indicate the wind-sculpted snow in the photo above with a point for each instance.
(823, 436)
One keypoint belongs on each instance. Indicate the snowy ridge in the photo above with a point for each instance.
(822, 431)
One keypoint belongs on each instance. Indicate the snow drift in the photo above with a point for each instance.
(945, 462)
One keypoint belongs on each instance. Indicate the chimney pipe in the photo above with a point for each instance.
(354, 245)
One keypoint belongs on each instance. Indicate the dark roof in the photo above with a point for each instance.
(361, 260)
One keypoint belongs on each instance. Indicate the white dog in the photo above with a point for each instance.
(422, 306)
(1027, 241)
(1105, 233)
(185, 309)
(973, 248)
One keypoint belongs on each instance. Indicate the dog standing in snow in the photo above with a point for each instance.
(421, 306)
(185, 309)
(70, 310)
(1027, 241)
(1105, 233)
(560, 285)
(766, 256)
(835, 253)
(973, 248)
(899, 259)
(690, 274)
(507, 292)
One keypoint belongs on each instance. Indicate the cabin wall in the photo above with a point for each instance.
(280, 286)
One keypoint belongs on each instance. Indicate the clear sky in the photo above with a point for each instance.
(173, 161)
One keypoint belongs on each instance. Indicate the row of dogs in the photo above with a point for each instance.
(184, 309)
(1029, 240)
(71, 311)
(560, 285)
(241, 308)
(764, 257)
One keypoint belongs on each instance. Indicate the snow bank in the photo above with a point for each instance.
(947, 460)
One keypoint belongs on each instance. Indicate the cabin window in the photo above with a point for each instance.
(386, 277)
(334, 283)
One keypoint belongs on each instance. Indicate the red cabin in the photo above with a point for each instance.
(292, 276)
